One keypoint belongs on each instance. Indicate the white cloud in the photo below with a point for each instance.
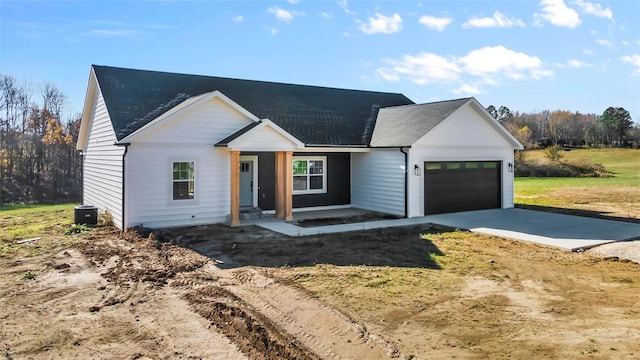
(326, 15)
(281, 14)
(500, 61)
(467, 89)
(423, 68)
(595, 9)
(388, 75)
(498, 20)
(604, 42)
(573, 63)
(345, 7)
(293, 2)
(634, 60)
(112, 33)
(578, 64)
(272, 30)
(382, 24)
(491, 65)
(558, 14)
(435, 23)
(238, 18)
(587, 51)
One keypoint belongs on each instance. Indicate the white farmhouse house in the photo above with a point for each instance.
(164, 149)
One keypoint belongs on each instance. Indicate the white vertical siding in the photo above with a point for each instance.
(377, 181)
(188, 137)
(102, 164)
(465, 135)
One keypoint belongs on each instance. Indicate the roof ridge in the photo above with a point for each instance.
(427, 103)
(248, 80)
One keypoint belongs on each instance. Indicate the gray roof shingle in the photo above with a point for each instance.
(315, 115)
(404, 125)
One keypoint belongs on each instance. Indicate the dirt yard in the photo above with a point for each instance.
(214, 292)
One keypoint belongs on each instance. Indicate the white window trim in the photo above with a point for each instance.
(324, 175)
(173, 201)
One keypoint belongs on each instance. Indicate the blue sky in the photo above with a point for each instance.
(575, 55)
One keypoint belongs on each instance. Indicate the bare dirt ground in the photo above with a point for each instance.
(213, 292)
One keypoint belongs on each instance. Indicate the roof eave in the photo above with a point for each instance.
(92, 85)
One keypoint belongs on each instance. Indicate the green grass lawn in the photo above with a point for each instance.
(623, 188)
(25, 221)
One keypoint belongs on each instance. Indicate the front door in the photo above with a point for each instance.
(246, 184)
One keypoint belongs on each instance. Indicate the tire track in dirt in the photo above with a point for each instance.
(327, 332)
(264, 318)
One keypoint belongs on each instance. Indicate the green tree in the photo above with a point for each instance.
(615, 123)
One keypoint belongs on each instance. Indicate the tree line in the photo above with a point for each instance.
(38, 160)
(614, 127)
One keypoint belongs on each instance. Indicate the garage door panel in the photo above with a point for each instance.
(462, 186)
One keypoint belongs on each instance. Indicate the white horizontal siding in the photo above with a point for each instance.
(190, 136)
(263, 139)
(377, 181)
(204, 123)
(464, 127)
(149, 193)
(102, 165)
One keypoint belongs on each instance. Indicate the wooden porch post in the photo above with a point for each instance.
(288, 185)
(280, 185)
(234, 215)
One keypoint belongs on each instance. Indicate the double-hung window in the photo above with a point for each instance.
(183, 180)
(309, 175)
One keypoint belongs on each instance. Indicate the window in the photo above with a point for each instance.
(183, 180)
(454, 166)
(309, 175)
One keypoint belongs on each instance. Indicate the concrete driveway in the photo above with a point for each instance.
(557, 230)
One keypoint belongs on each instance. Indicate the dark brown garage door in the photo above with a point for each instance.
(454, 186)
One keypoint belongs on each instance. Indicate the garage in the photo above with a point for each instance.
(453, 186)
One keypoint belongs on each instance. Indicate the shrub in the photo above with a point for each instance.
(76, 229)
(553, 153)
(576, 168)
(520, 157)
(106, 219)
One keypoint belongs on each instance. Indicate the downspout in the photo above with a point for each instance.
(126, 149)
(81, 176)
(406, 182)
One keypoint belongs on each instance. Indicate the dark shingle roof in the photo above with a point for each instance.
(404, 125)
(315, 115)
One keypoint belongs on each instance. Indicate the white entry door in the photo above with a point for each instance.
(246, 184)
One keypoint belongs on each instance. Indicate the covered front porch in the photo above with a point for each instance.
(283, 186)
(272, 171)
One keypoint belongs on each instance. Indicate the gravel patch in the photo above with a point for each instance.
(629, 250)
